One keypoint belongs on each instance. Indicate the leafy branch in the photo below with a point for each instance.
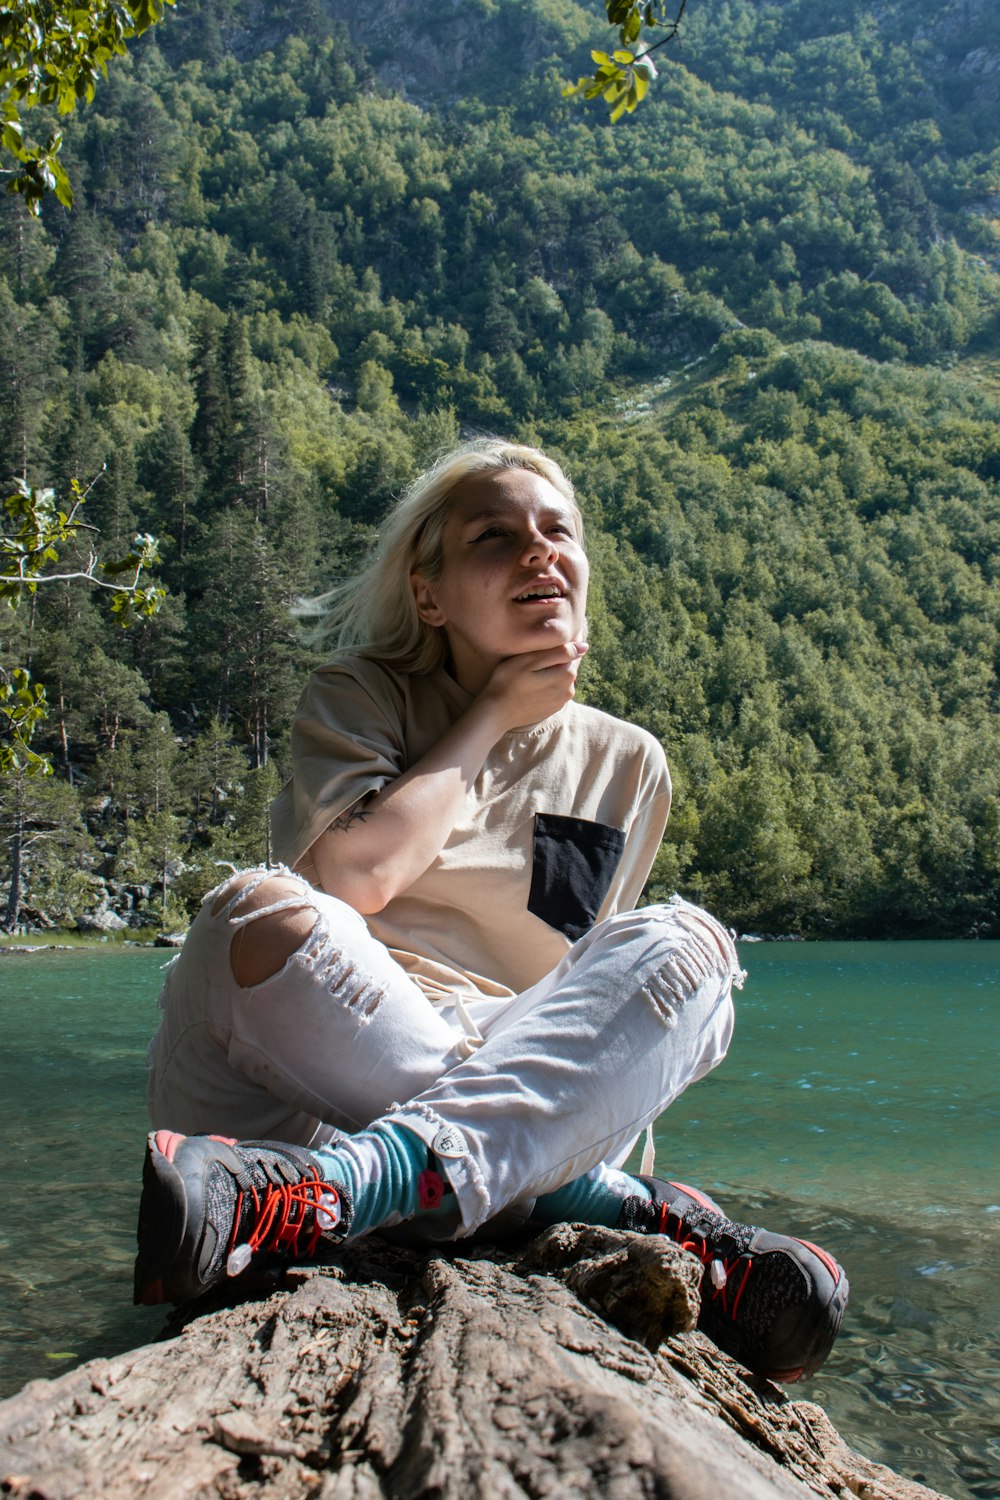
(34, 530)
(622, 78)
(23, 706)
(54, 54)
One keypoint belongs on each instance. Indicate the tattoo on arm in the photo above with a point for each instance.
(356, 814)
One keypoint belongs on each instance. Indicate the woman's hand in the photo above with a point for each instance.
(375, 850)
(529, 687)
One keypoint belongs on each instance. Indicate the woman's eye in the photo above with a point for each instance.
(485, 536)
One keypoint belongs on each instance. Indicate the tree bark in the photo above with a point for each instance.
(13, 908)
(481, 1375)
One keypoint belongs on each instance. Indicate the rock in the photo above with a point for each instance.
(34, 919)
(169, 940)
(101, 921)
(770, 937)
(473, 1376)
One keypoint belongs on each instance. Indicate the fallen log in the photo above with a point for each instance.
(566, 1367)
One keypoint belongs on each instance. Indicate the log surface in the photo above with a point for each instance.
(565, 1368)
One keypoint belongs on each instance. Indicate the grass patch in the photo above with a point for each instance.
(70, 938)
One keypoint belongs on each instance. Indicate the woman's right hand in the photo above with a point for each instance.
(374, 852)
(533, 685)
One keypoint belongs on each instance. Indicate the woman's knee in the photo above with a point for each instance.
(692, 931)
(262, 945)
(678, 958)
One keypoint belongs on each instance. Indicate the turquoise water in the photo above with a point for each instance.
(858, 1106)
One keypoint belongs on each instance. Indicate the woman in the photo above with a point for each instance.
(444, 1009)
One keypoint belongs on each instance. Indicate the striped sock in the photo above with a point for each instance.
(594, 1198)
(386, 1172)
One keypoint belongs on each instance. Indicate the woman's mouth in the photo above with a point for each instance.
(541, 593)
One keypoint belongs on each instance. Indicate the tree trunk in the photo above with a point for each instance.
(483, 1375)
(13, 911)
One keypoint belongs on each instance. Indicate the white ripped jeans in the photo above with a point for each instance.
(514, 1097)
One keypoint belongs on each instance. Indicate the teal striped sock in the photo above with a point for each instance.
(594, 1198)
(381, 1170)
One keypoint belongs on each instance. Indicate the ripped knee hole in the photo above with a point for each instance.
(262, 945)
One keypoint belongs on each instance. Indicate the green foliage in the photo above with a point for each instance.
(22, 709)
(35, 531)
(54, 55)
(759, 326)
(622, 78)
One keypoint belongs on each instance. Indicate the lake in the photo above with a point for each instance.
(858, 1107)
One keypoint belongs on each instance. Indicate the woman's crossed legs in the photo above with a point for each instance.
(452, 1116)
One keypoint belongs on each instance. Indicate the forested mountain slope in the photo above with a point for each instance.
(759, 321)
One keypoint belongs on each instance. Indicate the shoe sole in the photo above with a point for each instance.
(166, 1211)
(827, 1336)
(832, 1297)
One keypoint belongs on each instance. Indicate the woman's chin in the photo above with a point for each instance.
(553, 630)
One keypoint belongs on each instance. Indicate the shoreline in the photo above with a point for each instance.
(68, 940)
(74, 942)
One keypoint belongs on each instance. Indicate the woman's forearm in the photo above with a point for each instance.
(379, 847)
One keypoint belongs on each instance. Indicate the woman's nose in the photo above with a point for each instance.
(540, 547)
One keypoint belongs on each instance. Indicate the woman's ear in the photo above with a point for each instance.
(423, 597)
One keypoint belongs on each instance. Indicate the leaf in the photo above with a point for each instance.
(64, 191)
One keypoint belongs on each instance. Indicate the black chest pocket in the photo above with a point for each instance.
(573, 864)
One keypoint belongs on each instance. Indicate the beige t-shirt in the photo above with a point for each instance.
(560, 831)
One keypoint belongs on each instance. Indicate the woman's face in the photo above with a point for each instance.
(514, 573)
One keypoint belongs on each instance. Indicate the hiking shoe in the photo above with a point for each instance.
(209, 1204)
(772, 1302)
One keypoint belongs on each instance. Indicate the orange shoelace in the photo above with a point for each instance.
(719, 1270)
(291, 1218)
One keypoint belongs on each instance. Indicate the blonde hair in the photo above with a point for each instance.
(376, 611)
